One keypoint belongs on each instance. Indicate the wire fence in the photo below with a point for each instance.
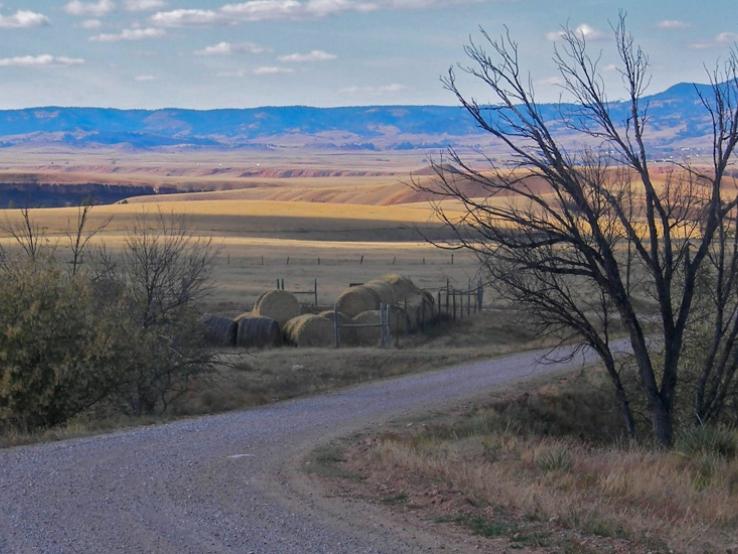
(312, 293)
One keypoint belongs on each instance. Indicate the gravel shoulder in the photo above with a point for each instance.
(228, 483)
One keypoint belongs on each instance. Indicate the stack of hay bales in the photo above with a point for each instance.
(356, 300)
(309, 330)
(279, 305)
(420, 309)
(255, 331)
(348, 336)
(220, 331)
(367, 336)
(371, 336)
(410, 307)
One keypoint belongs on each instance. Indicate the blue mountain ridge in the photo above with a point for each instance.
(677, 108)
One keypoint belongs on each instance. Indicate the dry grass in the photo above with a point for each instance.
(545, 470)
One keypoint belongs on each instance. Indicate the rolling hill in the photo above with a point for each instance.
(676, 118)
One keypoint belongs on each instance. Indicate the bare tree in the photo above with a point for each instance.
(27, 234)
(79, 235)
(581, 235)
(166, 268)
(164, 272)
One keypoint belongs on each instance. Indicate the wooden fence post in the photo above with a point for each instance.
(381, 325)
(336, 327)
(316, 291)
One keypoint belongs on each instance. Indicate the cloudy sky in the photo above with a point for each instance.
(210, 53)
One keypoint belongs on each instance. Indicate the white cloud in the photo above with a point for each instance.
(229, 48)
(258, 10)
(182, 18)
(373, 90)
(272, 70)
(672, 24)
(721, 39)
(263, 70)
(93, 9)
(583, 30)
(23, 19)
(144, 78)
(91, 24)
(726, 38)
(130, 34)
(312, 56)
(39, 61)
(263, 10)
(144, 5)
(553, 81)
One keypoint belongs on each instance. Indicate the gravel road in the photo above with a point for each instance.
(223, 483)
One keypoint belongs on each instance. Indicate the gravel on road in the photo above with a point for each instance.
(223, 483)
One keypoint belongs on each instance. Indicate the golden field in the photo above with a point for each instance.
(349, 227)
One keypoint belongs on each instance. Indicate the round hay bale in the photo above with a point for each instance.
(255, 331)
(399, 321)
(383, 290)
(348, 336)
(330, 314)
(371, 336)
(367, 336)
(420, 310)
(401, 286)
(218, 330)
(279, 305)
(309, 330)
(356, 300)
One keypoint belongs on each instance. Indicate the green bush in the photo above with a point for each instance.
(122, 336)
(56, 345)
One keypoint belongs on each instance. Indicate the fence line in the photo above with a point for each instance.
(451, 301)
(312, 292)
(358, 259)
(385, 333)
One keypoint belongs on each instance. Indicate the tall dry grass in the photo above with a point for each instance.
(504, 459)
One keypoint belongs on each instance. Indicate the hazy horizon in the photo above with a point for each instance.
(278, 106)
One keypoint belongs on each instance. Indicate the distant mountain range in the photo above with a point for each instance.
(677, 121)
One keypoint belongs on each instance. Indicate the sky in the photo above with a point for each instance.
(217, 53)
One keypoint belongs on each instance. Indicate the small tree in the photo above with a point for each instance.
(583, 236)
(163, 272)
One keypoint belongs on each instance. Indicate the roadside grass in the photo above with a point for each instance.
(549, 470)
(244, 379)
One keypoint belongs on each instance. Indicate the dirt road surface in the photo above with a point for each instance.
(226, 483)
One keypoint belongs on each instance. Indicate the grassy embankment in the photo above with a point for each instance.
(547, 470)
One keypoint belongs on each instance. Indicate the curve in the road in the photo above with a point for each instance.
(219, 483)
